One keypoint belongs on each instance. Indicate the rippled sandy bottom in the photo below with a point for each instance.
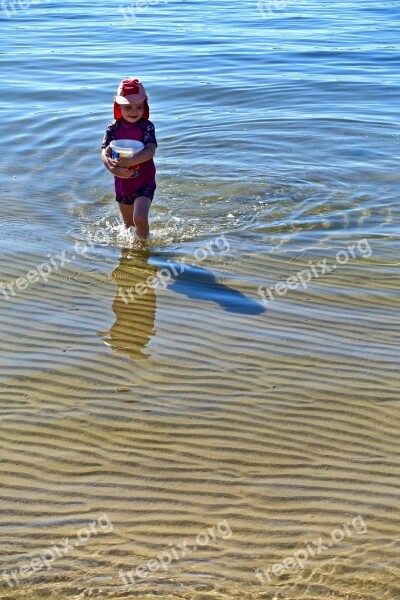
(187, 412)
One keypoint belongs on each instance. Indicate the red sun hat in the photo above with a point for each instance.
(130, 91)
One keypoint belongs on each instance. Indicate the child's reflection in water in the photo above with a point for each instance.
(134, 306)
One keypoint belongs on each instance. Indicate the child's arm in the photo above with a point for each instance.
(142, 156)
(106, 158)
(111, 165)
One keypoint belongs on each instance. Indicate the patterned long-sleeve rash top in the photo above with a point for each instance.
(142, 131)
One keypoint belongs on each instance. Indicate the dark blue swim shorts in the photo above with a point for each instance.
(148, 192)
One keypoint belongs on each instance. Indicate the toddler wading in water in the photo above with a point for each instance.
(134, 177)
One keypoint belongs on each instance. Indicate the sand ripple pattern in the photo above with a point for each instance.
(189, 407)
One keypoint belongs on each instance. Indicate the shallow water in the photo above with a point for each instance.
(156, 412)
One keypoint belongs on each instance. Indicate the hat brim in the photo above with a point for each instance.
(131, 99)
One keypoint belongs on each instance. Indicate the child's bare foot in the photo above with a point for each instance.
(141, 238)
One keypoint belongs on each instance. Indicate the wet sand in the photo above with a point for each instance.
(171, 415)
(195, 415)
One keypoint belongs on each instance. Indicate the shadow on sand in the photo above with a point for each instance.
(201, 284)
(135, 312)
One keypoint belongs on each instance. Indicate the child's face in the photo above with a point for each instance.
(132, 112)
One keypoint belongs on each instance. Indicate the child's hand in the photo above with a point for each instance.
(121, 172)
(115, 167)
(125, 162)
(109, 162)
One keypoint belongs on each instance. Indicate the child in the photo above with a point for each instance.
(134, 189)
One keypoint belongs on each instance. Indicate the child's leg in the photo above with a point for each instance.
(127, 213)
(141, 215)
